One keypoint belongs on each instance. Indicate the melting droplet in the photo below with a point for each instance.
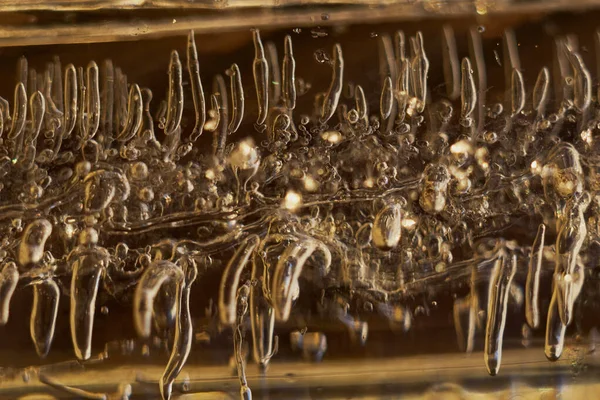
(46, 296)
(87, 269)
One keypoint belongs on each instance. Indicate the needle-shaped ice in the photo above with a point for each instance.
(135, 113)
(88, 264)
(541, 91)
(237, 99)
(500, 281)
(532, 288)
(289, 74)
(197, 90)
(451, 63)
(175, 95)
(332, 96)
(260, 69)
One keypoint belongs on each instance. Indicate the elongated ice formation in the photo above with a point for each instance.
(197, 90)
(502, 275)
(182, 341)
(533, 279)
(9, 277)
(331, 98)
(261, 78)
(46, 295)
(230, 282)
(159, 273)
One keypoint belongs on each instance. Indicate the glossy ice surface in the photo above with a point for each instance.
(353, 201)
